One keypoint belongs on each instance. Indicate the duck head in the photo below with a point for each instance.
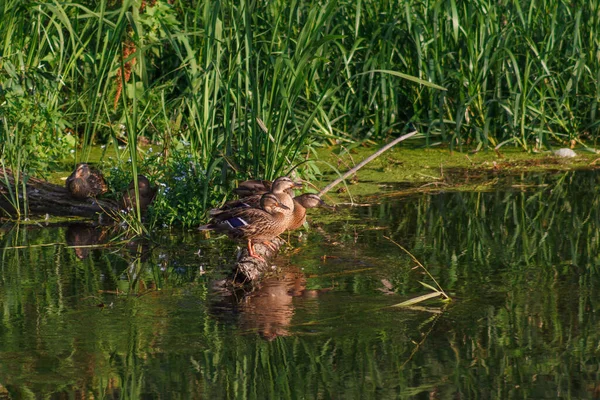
(284, 183)
(82, 171)
(311, 200)
(270, 203)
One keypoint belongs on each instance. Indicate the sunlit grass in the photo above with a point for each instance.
(255, 87)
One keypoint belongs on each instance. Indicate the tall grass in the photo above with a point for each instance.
(247, 88)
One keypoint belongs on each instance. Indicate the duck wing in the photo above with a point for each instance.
(253, 187)
(247, 202)
(97, 183)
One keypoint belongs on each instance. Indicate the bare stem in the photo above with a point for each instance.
(366, 161)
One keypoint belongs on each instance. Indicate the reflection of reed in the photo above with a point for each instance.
(523, 266)
(553, 219)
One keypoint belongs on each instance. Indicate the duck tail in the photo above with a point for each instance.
(207, 227)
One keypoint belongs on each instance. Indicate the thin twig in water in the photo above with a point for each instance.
(434, 184)
(32, 246)
(98, 246)
(435, 178)
(354, 204)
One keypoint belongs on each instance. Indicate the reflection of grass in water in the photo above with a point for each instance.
(437, 291)
(521, 267)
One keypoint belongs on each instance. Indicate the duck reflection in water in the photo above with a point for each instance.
(79, 236)
(269, 309)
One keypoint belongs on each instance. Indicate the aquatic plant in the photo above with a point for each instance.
(436, 291)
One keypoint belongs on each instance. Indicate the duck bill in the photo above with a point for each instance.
(327, 206)
(298, 185)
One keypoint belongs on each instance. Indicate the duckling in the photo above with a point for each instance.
(85, 182)
(253, 224)
(147, 194)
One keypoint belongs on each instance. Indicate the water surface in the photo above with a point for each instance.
(520, 259)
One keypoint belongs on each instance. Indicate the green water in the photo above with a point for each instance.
(520, 260)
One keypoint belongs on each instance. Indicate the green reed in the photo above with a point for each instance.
(253, 86)
(253, 78)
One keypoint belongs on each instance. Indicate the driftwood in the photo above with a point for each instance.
(47, 198)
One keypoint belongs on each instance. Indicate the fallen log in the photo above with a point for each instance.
(42, 198)
(248, 270)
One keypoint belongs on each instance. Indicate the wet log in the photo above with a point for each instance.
(47, 198)
(249, 270)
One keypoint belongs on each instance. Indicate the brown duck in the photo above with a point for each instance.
(85, 182)
(254, 225)
(146, 193)
(281, 187)
(301, 203)
(255, 187)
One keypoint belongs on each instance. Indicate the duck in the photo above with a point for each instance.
(146, 194)
(85, 182)
(283, 189)
(301, 203)
(251, 191)
(252, 224)
(255, 187)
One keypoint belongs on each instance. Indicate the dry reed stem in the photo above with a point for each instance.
(367, 160)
